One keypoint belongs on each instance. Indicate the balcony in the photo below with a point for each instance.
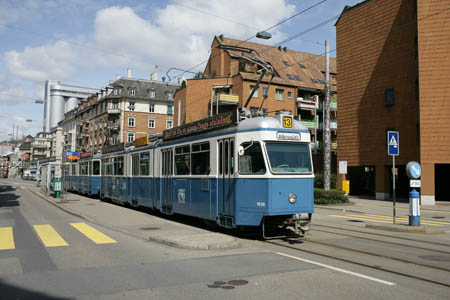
(311, 123)
(308, 104)
(333, 104)
(226, 99)
(333, 125)
(113, 111)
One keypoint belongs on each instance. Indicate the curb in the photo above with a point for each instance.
(408, 229)
(231, 245)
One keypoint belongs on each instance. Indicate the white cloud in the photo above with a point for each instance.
(180, 36)
(42, 63)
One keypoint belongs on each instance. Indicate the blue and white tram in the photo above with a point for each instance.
(256, 172)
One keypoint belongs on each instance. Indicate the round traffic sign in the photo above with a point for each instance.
(413, 170)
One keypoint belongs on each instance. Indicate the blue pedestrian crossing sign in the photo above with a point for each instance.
(393, 143)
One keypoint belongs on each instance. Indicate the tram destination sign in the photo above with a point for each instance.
(214, 122)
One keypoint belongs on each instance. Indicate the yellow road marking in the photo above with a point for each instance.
(346, 217)
(49, 236)
(401, 208)
(93, 234)
(6, 238)
(386, 219)
(405, 218)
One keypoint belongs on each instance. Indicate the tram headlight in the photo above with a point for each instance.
(292, 198)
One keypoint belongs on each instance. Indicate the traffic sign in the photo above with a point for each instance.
(413, 170)
(393, 143)
(414, 183)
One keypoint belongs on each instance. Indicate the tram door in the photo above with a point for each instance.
(167, 178)
(226, 188)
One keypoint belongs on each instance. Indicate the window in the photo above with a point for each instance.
(314, 80)
(130, 136)
(131, 106)
(144, 164)
(131, 121)
(289, 94)
(302, 66)
(289, 158)
(169, 124)
(170, 95)
(298, 78)
(132, 91)
(286, 63)
(96, 167)
(170, 109)
(152, 108)
(290, 76)
(256, 93)
(152, 93)
(200, 159)
(135, 165)
(265, 91)
(322, 81)
(118, 165)
(151, 123)
(252, 162)
(182, 160)
(116, 92)
(279, 94)
(389, 99)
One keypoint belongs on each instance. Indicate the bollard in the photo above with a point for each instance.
(414, 208)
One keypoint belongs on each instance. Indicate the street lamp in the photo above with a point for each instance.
(264, 35)
(29, 120)
(39, 101)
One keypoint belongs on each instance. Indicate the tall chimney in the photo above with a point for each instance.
(117, 76)
(181, 79)
(128, 73)
(163, 79)
(154, 76)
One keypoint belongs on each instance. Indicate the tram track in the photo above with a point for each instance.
(383, 262)
(282, 243)
(387, 242)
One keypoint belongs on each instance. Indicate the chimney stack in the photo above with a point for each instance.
(117, 77)
(181, 79)
(129, 73)
(163, 79)
(154, 76)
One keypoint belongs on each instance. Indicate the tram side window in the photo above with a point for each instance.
(144, 164)
(96, 167)
(118, 166)
(252, 162)
(83, 169)
(200, 159)
(74, 168)
(108, 167)
(135, 165)
(182, 160)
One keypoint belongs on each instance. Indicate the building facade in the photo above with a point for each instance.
(228, 80)
(393, 76)
(59, 99)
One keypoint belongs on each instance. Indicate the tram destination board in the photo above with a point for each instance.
(214, 122)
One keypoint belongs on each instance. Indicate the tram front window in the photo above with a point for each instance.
(289, 158)
(252, 161)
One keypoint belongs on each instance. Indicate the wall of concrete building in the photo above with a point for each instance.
(376, 52)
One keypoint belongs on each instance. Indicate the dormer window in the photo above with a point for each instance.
(170, 95)
(152, 93)
(132, 91)
(302, 66)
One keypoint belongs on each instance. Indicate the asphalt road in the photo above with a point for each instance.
(89, 261)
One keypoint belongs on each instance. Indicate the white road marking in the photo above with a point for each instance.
(337, 269)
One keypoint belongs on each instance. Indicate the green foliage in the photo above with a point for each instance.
(183, 84)
(199, 75)
(318, 180)
(322, 196)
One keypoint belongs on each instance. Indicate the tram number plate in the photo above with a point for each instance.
(287, 122)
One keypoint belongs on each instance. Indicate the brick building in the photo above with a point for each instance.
(393, 68)
(298, 85)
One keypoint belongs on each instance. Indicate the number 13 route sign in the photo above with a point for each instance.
(393, 143)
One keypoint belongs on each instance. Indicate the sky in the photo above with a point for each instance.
(87, 43)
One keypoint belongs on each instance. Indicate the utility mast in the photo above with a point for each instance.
(326, 122)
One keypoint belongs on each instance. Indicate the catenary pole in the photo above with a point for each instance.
(326, 122)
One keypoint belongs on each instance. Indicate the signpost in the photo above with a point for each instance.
(414, 171)
(393, 145)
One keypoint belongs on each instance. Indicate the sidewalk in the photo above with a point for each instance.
(139, 224)
(439, 212)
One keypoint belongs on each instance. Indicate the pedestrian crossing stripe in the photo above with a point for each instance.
(93, 234)
(6, 238)
(49, 236)
(386, 219)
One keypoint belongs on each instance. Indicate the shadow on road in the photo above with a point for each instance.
(11, 292)
(8, 199)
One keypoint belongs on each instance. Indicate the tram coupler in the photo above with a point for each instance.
(297, 224)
